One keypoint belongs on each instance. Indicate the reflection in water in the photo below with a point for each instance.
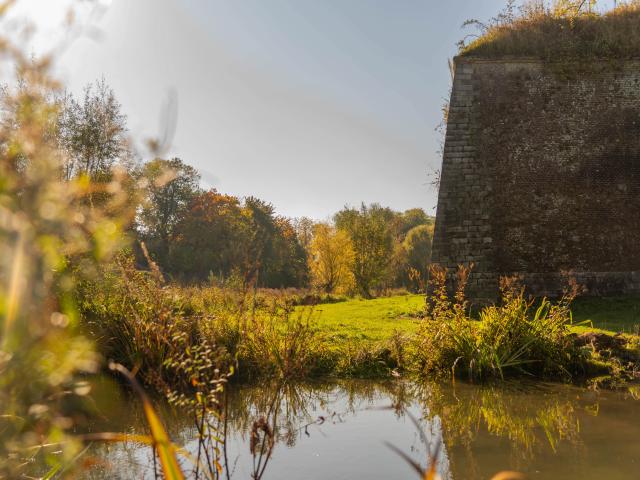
(506, 413)
(338, 430)
(306, 418)
(532, 420)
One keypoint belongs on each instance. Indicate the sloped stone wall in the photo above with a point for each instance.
(541, 176)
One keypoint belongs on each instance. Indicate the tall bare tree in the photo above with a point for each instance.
(92, 131)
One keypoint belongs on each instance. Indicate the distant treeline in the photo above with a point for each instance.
(197, 235)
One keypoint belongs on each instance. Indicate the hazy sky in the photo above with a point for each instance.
(308, 104)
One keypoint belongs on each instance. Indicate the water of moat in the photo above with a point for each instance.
(343, 431)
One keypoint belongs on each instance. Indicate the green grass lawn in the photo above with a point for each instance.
(377, 319)
(372, 320)
(615, 314)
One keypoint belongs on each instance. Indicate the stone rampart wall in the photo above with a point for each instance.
(541, 176)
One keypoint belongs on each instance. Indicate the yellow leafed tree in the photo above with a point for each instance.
(332, 259)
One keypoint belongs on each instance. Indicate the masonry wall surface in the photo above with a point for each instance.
(541, 176)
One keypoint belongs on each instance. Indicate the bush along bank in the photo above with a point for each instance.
(518, 337)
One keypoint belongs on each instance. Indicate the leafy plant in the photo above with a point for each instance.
(515, 336)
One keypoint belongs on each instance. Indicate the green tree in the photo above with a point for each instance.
(417, 248)
(400, 273)
(331, 259)
(169, 188)
(286, 265)
(304, 230)
(275, 257)
(263, 231)
(412, 218)
(372, 237)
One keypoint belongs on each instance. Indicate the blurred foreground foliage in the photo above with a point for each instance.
(56, 229)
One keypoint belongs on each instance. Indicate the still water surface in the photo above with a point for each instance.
(342, 431)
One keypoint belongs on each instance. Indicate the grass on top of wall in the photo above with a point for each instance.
(541, 34)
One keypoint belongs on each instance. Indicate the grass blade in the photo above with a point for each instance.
(166, 449)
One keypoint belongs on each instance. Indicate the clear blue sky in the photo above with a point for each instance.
(309, 104)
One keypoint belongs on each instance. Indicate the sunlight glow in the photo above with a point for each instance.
(51, 19)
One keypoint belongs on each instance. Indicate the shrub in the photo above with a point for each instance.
(516, 336)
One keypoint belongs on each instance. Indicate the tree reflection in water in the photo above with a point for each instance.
(529, 422)
(483, 428)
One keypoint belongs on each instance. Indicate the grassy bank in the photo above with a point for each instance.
(155, 329)
(611, 315)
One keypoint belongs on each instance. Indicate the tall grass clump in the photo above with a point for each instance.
(136, 321)
(146, 324)
(285, 344)
(515, 337)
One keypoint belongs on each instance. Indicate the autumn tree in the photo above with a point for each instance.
(210, 238)
(331, 259)
(169, 187)
(221, 236)
(372, 239)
